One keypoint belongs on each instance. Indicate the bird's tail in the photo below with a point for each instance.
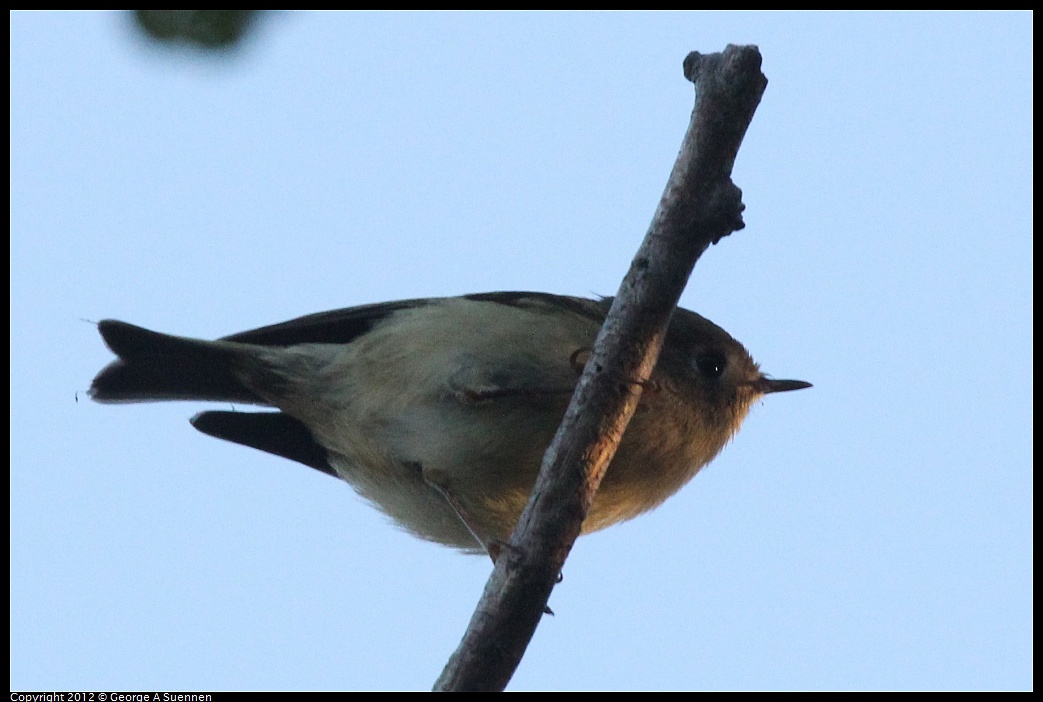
(153, 366)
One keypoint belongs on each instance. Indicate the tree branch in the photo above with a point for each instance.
(700, 206)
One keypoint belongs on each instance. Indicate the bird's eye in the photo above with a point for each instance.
(711, 365)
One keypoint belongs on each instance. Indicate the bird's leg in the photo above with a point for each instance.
(494, 547)
(578, 361)
(438, 482)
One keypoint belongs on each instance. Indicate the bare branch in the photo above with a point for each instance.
(700, 206)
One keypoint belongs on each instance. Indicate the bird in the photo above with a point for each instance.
(438, 410)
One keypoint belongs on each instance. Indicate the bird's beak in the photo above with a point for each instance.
(767, 385)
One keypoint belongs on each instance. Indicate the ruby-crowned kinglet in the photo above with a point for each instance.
(439, 410)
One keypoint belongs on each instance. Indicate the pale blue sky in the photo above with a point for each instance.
(874, 532)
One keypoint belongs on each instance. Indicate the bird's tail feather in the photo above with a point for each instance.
(153, 366)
